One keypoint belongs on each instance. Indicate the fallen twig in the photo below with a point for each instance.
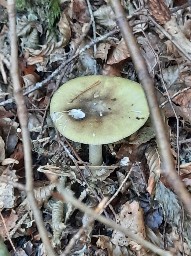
(23, 119)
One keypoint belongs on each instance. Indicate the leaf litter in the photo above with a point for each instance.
(145, 204)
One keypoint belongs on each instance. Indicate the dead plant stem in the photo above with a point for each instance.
(23, 119)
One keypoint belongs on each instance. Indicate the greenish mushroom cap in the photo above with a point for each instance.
(99, 109)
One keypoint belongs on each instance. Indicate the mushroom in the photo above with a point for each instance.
(98, 110)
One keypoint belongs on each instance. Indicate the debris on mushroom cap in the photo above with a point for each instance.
(109, 109)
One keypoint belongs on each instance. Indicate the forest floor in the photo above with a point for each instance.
(62, 40)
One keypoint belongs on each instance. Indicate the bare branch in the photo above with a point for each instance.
(23, 119)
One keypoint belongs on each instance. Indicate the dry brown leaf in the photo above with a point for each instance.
(30, 79)
(159, 10)
(102, 51)
(184, 101)
(80, 11)
(35, 60)
(18, 155)
(64, 28)
(119, 53)
(9, 222)
(124, 151)
(4, 113)
(42, 194)
(7, 197)
(131, 218)
(9, 133)
(154, 163)
(177, 33)
(187, 29)
(104, 16)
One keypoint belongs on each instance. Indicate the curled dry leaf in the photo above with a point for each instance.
(154, 163)
(178, 36)
(184, 101)
(102, 51)
(7, 197)
(2, 149)
(101, 173)
(119, 53)
(8, 129)
(32, 40)
(34, 122)
(30, 79)
(34, 60)
(105, 17)
(58, 212)
(64, 28)
(42, 194)
(104, 243)
(131, 218)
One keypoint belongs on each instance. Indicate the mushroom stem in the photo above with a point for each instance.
(95, 154)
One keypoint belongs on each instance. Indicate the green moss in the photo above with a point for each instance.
(54, 11)
(47, 10)
(21, 5)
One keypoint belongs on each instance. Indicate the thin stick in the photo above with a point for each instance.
(7, 232)
(68, 197)
(23, 119)
(90, 87)
(148, 85)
